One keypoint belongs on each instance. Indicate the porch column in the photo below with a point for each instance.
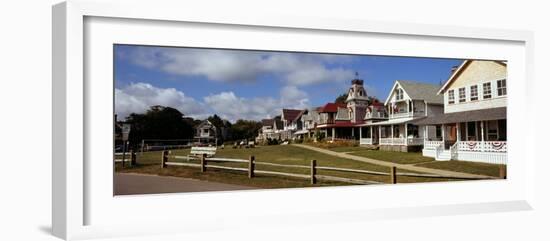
(458, 137)
(408, 107)
(443, 133)
(333, 133)
(425, 131)
(371, 135)
(482, 132)
(360, 132)
(406, 135)
(412, 107)
(379, 133)
(391, 134)
(482, 137)
(466, 125)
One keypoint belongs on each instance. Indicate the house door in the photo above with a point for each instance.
(451, 136)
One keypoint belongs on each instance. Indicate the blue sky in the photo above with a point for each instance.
(254, 84)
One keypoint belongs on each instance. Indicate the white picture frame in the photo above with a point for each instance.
(73, 193)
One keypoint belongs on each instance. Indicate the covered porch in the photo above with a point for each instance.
(467, 136)
(340, 131)
(398, 132)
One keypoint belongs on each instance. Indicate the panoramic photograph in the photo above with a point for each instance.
(202, 119)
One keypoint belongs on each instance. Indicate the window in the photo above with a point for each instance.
(501, 87)
(462, 95)
(473, 92)
(487, 90)
(438, 132)
(451, 94)
(399, 95)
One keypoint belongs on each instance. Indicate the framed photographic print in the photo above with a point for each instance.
(181, 114)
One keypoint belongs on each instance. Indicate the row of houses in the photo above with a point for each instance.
(463, 119)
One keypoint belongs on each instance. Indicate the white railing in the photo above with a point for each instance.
(402, 141)
(365, 141)
(407, 114)
(453, 149)
(399, 115)
(432, 144)
(376, 115)
(412, 141)
(483, 146)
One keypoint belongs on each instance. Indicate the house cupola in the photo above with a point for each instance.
(357, 92)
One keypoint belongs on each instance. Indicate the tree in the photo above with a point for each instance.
(159, 122)
(245, 129)
(341, 99)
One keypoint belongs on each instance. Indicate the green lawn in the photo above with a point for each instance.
(149, 163)
(393, 156)
(389, 156)
(467, 167)
(416, 158)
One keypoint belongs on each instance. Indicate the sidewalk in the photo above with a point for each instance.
(390, 164)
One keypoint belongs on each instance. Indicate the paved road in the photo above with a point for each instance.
(130, 183)
(400, 166)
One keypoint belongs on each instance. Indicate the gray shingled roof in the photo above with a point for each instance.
(422, 91)
(342, 114)
(464, 116)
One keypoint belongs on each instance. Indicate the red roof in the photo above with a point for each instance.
(331, 107)
(290, 114)
(377, 104)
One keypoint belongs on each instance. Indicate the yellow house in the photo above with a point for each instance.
(473, 124)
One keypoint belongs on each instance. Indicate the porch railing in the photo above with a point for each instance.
(365, 141)
(401, 141)
(432, 144)
(482, 146)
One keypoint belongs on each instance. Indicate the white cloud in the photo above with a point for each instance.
(243, 66)
(229, 106)
(138, 97)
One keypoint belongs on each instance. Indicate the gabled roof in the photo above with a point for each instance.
(418, 91)
(299, 116)
(206, 123)
(290, 114)
(459, 71)
(267, 122)
(331, 107)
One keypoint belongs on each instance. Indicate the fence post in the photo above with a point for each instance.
(164, 159)
(133, 158)
(502, 171)
(203, 163)
(251, 167)
(393, 175)
(313, 171)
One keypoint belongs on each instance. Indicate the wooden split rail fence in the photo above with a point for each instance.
(313, 167)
